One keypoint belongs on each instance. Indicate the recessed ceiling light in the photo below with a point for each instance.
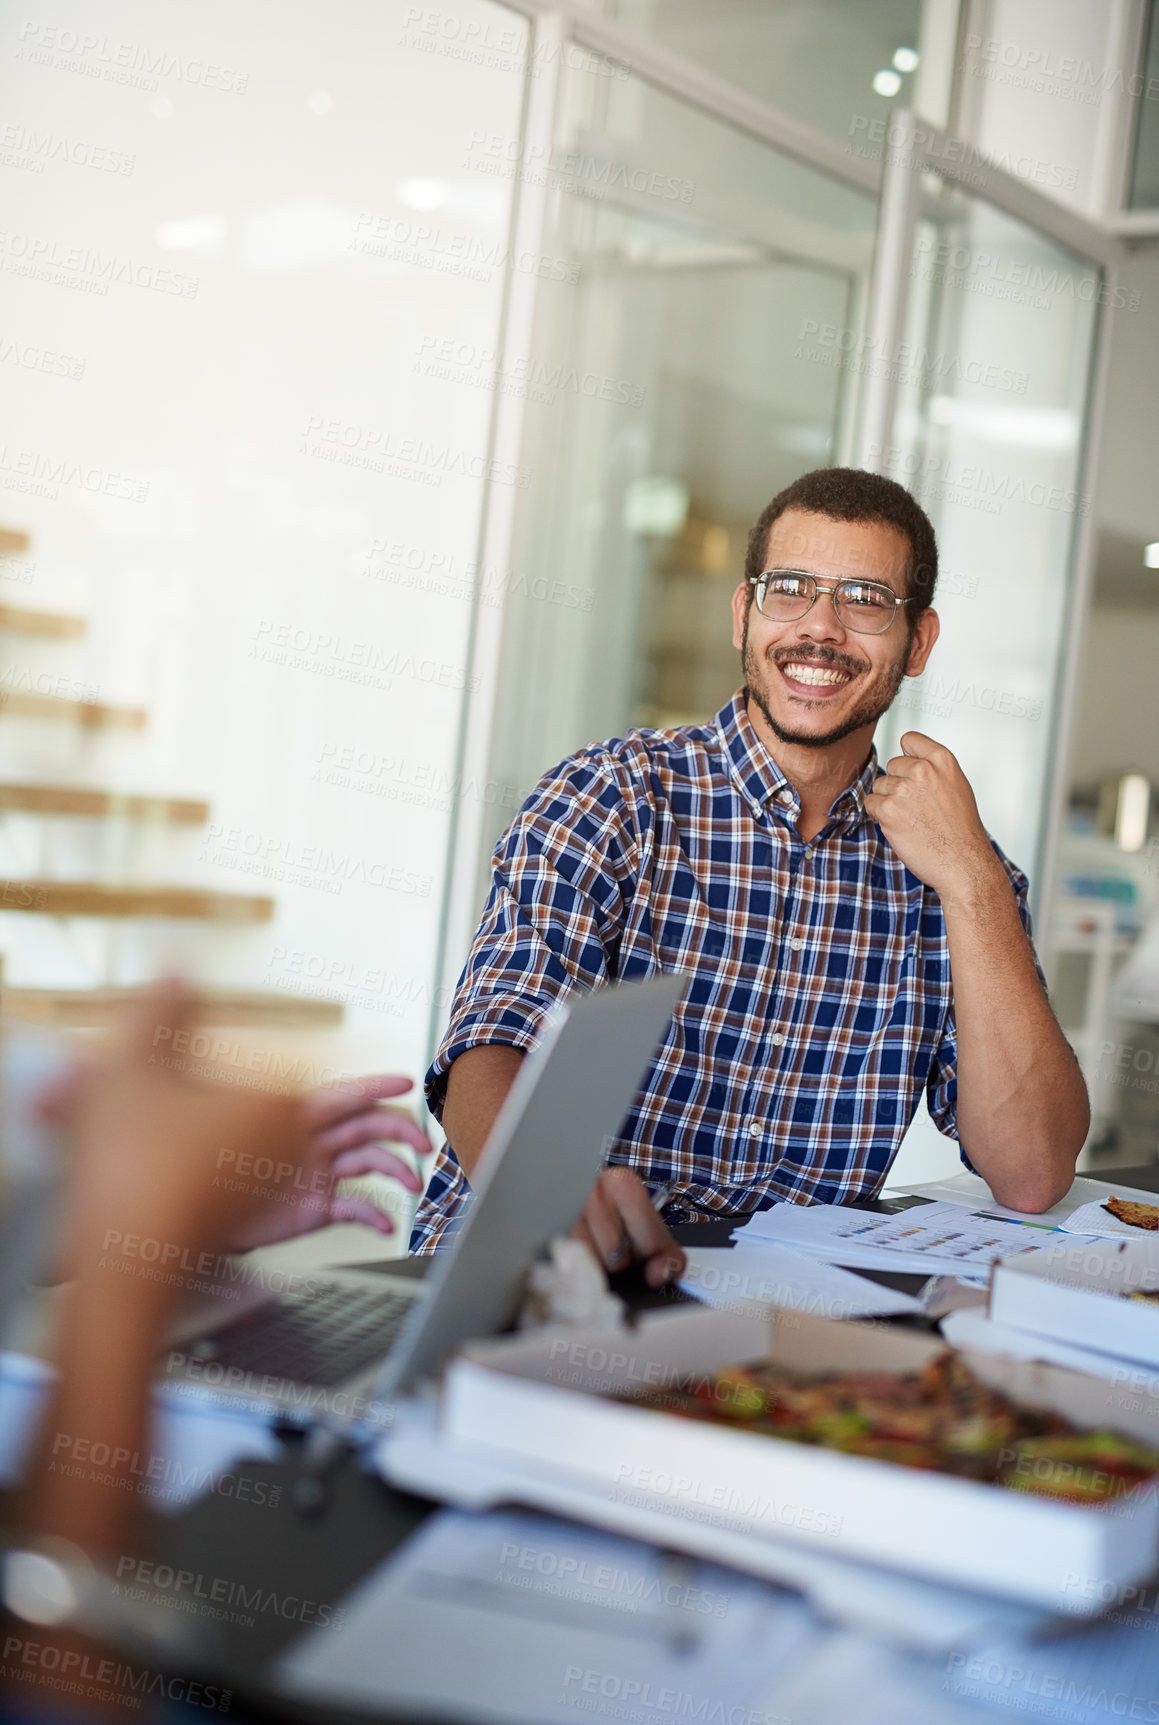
(191, 233)
(422, 195)
(1151, 555)
(886, 83)
(906, 59)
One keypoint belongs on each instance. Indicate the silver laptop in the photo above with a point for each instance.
(345, 1342)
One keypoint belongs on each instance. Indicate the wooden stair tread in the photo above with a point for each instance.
(63, 1008)
(14, 539)
(92, 714)
(89, 898)
(23, 622)
(79, 800)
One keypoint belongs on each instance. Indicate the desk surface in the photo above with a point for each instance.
(272, 1546)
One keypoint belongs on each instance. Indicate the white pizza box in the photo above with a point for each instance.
(543, 1398)
(1075, 1292)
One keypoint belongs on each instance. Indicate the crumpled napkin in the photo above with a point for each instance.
(569, 1288)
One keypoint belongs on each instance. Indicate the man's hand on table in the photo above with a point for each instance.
(620, 1223)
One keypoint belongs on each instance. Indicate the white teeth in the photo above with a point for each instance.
(814, 674)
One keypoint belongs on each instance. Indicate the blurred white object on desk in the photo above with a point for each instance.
(569, 1288)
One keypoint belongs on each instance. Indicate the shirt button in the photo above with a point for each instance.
(796, 945)
(776, 1039)
(755, 1128)
(786, 796)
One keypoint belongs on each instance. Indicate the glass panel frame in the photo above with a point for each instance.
(873, 396)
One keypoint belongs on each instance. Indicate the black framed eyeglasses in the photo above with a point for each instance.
(787, 595)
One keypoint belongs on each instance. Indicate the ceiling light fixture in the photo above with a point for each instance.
(886, 83)
(906, 59)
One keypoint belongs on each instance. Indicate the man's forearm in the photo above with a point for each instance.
(1022, 1109)
(477, 1084)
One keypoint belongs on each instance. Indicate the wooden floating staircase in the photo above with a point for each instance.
(20, 622)
(83, 1009)
(55, 897)
(88, 898)
(112, 805)
(92, 715)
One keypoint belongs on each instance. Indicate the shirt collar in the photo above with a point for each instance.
(760, 780)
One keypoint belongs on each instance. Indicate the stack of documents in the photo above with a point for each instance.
(942, 1239)
(758, 1274)
(521, 1617)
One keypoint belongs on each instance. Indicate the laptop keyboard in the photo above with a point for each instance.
(322, 1336)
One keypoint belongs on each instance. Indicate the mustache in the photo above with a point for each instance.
(818, 656)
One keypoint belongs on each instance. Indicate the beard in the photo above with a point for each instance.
(875, 700)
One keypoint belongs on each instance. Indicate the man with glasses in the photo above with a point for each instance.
(854, 937)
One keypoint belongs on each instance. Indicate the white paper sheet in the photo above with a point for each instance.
(1093, 1219)
(765, 1273)
(530, 1618)
(941, 1239)
(1108, 1674)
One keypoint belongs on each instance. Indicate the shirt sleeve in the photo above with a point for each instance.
(562, 880)
(942, 1088)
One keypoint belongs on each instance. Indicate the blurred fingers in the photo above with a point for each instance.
(373, 1159)
(355, 1096)
(375, 1126)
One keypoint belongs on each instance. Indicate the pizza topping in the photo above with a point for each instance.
(943, 1419)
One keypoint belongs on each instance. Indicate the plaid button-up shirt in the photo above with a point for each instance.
(820, 1005)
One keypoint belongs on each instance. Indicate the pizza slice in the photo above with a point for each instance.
(1135, 1215)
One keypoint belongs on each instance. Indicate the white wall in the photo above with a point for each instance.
(1117, 720)
(279, 571)
(1126, 498)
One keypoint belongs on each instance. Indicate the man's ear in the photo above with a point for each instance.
(741, 600)
(927, 628)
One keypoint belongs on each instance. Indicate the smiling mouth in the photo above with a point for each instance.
(807, 674)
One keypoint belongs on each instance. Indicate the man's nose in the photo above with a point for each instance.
(821, 622)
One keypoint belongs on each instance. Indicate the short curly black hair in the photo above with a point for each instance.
(852, 494)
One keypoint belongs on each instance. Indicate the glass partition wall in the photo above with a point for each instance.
(988, 436)
(674, 388)
(745, 302)
(1001, 334)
